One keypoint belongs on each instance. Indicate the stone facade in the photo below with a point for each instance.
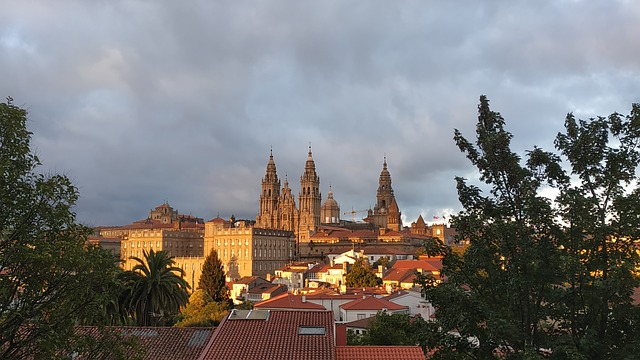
(278, 209)
(246, 250)
(177, 243)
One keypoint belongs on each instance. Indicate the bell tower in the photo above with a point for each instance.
(309, 200)
(385, 198)
(268, 218)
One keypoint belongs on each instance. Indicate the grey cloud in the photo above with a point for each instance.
(141, 102)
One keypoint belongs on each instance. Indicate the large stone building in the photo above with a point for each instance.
(285, 230)
(176, 243)
(247, 250)
(278, 209)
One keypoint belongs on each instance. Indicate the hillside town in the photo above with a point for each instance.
(298, 256)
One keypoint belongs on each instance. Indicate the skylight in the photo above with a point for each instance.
(311, 330)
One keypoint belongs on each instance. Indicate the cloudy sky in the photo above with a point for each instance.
(145, 101)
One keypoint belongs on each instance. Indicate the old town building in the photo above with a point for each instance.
(247, 250)
(278, 209)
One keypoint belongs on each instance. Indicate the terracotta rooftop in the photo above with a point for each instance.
(372, 303)
(319, 268)
(379, 353)
(360, 323)
(266, 288)
(398, 294)
(277, 335)
(247, 279)
(424, 263)
(288, 301)
(330, 294)
(400, 275)
(161, 342)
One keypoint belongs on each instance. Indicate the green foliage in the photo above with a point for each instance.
(361, 275)
(245, 305)
(212, 280)
(600, 208)
(384, 261)
(50, 280)
(158, 289)
(544, 273)
(202, 311)
(391, 329)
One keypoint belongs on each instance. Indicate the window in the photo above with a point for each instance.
(312, 330)
(361, 316)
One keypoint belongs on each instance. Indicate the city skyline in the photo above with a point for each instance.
(145, 102)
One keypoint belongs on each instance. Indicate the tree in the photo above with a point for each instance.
(361, 275)
(543, 274)
(50, 279)
(158, 289)
(601, 209)
(202, 311)
(391, 329)
(384, 261)
(212, 280)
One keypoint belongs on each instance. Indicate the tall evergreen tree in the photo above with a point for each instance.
(212, 279)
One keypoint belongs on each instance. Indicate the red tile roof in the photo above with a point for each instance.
(360, 323)
(379, 353)
(247, 280)
(426, 264)
(319, 268)
(288, 301)
(283, 335)
(400, 275)
(372, 303)
(268, 288)
(161, 342)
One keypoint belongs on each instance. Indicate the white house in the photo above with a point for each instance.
(414, 301)
(369, 306)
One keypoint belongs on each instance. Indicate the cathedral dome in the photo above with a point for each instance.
(330, 202)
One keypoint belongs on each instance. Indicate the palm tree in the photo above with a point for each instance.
(158, 288)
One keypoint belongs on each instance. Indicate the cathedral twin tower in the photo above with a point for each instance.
(278, 208)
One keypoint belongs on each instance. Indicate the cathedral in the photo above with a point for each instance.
(278, 209)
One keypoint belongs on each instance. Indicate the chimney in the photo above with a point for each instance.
(331, 263)
(269, 277)
(304, 299)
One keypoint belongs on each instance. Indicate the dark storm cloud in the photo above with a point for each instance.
(141, 102)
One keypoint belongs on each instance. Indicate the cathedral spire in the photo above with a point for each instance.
(268, 216)
(309, 199)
